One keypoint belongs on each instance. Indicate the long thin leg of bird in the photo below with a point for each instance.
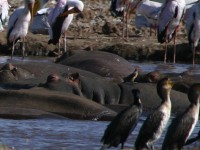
(59, 48)
(193, 55)
(13, 49)
(23, 47)
(123, 24)
(174, 59)
(127, 24)
(65, 42)
(165, 56)
(122, 146)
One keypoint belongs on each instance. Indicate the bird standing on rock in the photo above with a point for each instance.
(182, 126)
(123, 124)
(60, 18)
(18, 25)
(156, 122)
(168, 22)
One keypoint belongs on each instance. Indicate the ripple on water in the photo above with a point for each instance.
(61, 134)
(167, 68)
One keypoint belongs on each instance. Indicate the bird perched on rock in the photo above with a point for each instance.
(182, 126)
(123, 124)
(18, 25)
(131, 77)
(192, 22)
(156, 122)
(168, 22)
(60, 18)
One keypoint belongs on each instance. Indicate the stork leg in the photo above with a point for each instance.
(165, 56)
(174, 59)
(193, 55)
(59, 48)
(123, 24)
(65, 42)
(122, 146)
(127, 25)
(13, 49)
(23, 47)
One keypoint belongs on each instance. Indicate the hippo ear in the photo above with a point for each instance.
(74, 77)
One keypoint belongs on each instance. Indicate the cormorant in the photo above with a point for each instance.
(155, 123)
(182, 126)
(123, 124)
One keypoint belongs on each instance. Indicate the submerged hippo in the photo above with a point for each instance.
(9, 73)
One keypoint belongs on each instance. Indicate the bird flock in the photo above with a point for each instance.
(58, 20)
(165, 18)
(178, 132)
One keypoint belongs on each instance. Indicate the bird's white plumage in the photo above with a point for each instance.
(150, 10)
(4, 8)
(169, 17)
(19, 21)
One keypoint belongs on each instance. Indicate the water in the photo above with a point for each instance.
(167, 68)
(67, 134)
(61, 134)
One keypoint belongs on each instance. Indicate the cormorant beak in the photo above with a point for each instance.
(30, 6)
(176, 80)
(36, 7)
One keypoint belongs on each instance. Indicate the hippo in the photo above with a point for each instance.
(9, 73)
(58, 83)
(98, 90)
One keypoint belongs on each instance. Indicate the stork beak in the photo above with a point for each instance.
(36, 6)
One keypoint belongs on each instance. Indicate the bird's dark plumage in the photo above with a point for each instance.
(155, 123)
(113, 10)
(123, 124)
(182, 126)
(57, 27)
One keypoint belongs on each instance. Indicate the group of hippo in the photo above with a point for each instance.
(85, 85)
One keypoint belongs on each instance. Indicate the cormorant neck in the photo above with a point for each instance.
(165, 96)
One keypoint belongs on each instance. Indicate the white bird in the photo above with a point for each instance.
(125, 7)
(60, 18)
(4, 8)
(169, 19)
(19, 23)
(192, 22)
(150, 10)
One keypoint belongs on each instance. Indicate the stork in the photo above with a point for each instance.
(150, 10)
(192, 20)
(4, 8)
(168, 22)
(60, 18)
(18, 25)
(124, 7)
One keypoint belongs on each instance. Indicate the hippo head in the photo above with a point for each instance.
(10, 73)
(73, 78)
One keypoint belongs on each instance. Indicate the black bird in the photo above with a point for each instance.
(123, 124)
(182, 126)
(155, 123)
